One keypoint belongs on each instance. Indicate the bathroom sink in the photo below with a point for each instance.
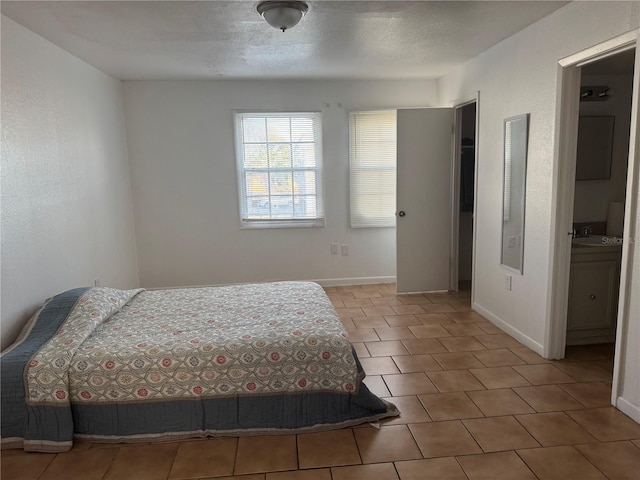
(597, 241)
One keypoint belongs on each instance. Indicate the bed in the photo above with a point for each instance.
(136, 365)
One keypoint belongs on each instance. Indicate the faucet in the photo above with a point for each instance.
(585, 231)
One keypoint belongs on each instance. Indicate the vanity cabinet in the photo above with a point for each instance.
(593, 295)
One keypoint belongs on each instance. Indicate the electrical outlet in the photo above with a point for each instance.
(334, 249)
(345, 250)
(507, 282)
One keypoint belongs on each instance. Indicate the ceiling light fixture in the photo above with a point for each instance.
(282, 15)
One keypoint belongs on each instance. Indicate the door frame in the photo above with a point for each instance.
(454, 261)
(566, 137)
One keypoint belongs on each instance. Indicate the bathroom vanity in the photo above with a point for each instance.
(593, 289)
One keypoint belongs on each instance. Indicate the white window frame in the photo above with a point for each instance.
(355, 166)
(249, 223)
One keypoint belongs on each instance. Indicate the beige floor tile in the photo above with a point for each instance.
(363, 335)
(24, 467)
(380, 471)
(606, 364)
(496, 466)
(559, 463)
(499, 377)
(429, 331)
(463, 329)
(408, 309)
(376, 385)
(369, 322)
(542, 374)
(337, 304)
(394, 333)
(548, 398)
(409, 384)
(444, 439)
(424, 345)
(555, 428)
(441, 297)
(349, 312)
(529, 355)
(490, 328)
(357, 302)
(361, 350)
(386, 348)
(501, 340)
(591, 395)
(379, 365)
(402, 320)
(266, 454)
(499, 433)
(431, 469)
(386, 444)
(617, 460)
(411, 411)
(636, 443)
(206, 458)
(464, 317)
(378, 302)
(319, 474)
(584, 371)
(379, 311)
(457, 360)
(412, 299)
(85, 465)
(461, 344)
(348, 324)
(455, 381)
(441, 307)
(494, 403)
(434, 319)
(449, 406)
(328, 449)
(416, 363)
(461, 306)
(499, 358)
(146, 462)
(607, 424)
(364, 293)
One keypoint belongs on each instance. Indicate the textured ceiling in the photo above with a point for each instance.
(337, 39)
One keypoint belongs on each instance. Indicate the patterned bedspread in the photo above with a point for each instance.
(242, 359)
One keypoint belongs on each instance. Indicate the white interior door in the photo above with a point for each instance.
(423, 247)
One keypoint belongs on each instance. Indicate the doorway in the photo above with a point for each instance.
(602, 155)
(463, 195)
(564, 196)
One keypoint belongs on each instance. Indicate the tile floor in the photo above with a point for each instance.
(476, 405)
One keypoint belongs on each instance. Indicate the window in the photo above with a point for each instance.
(279, 162)
(372, 166)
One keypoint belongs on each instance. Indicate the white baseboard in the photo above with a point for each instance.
(327, 282)
(514, 332)
(629, 409)
(339, 282)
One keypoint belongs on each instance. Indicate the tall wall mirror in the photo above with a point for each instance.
(516, 133)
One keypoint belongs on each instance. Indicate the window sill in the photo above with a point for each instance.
(260, 224)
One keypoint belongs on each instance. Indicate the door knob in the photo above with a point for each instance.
(401, 213)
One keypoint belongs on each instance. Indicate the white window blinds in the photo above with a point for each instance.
(279, 161)
(372, 168)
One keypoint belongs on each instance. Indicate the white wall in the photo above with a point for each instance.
(519, 75)
(66, 201)
(592, 197)
(181, 149)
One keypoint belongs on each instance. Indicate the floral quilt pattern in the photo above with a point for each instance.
(46, 377)
(272, 338)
